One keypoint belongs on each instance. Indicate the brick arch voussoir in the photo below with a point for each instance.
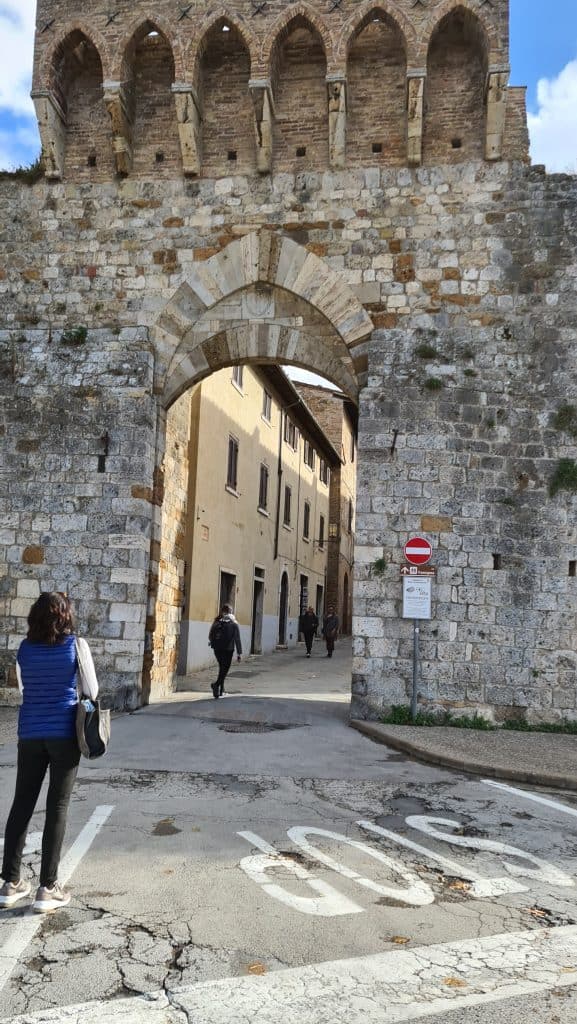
(445, 10)
(97, 40)
(195, 48)
(359, 20)
(281, 25)
(167, 29)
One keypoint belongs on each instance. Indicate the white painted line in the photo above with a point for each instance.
(388, 988)
(25, 928)
(532, 796)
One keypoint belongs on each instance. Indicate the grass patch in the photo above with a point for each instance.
(426, 352)
(74, 336)
(29, 174)
(433, 384)
(564, 478)
(400, 714)
(566, 419)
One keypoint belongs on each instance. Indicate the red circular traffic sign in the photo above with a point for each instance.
(418, 551)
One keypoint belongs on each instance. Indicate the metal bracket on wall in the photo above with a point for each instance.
(111, 16)
(184, 12)
(48, 25)
(258, 7)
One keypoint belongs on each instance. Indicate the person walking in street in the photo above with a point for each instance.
(308, 627)
(46, 668)
(223, 637)
(330, 630)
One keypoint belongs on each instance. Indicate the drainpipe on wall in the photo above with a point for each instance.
(279, 478)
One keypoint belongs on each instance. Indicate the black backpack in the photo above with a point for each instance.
(222, 633)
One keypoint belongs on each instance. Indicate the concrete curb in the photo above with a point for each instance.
(381, 734)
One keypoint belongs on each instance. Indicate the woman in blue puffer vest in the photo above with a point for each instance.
(46, 667)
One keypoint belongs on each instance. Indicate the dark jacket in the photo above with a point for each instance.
(331, 626)
(308, 623)
(233, 634)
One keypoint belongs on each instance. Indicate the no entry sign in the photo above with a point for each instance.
(418, 551)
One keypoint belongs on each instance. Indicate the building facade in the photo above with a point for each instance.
(342, 187)
(338, 418)
(258, 511)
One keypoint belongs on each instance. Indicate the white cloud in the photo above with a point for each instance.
(17, 20)
(553, 129)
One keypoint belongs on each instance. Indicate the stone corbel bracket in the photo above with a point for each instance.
(416, 79)
(52, 127)
(116, 105)
(264, 115)
(496, 101)
(337, 100)
(189, 120)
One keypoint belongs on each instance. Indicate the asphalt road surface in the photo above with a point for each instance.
(255, 860)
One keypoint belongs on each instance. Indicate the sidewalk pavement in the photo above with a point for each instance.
(537, 758)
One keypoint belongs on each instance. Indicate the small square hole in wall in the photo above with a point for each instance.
(377, 147)
(457, 143)
(159, 157)
(91, 162)
(301, 150)
(231, 155)
(572, 568)
(497, 564)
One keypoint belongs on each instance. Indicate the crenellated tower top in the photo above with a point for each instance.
(254, 87)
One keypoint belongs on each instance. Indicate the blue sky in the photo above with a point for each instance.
(543, 57)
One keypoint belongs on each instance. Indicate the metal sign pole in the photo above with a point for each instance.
(416, 631)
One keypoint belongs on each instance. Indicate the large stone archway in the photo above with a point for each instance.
(262, 299)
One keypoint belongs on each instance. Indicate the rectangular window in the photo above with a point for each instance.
(352, 447)
(350, 515)
(309, 455)
(263, 488)
(307, 520)
(290, 433)
(266, 406)
(322, 532)
(232, 467)
(237, 376)
(323, 471)
(287, 506)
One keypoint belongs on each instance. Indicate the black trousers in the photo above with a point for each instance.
(330, 642)
(35, 757)
(224, 659)
(308, 641)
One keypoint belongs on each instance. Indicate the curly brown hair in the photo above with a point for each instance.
(50, 619)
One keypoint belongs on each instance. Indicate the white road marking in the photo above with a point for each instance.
(387, 988)
(541, 870)
(418, 893)
(328, 903)
(481, 887)
(555, 804)
(25, 928)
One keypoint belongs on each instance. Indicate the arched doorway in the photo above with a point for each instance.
(283, 610)
(263, 299)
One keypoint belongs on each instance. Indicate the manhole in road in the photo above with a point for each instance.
(256, 726)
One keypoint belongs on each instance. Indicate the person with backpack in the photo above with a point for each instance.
(223, 637)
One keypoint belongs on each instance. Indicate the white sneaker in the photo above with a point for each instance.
(11, 892)
(50, 899)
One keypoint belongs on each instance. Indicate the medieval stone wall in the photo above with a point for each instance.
(468, 273)
(439, 294)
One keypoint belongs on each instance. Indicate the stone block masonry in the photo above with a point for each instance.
(433, 280)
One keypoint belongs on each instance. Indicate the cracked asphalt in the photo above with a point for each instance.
(194, 895)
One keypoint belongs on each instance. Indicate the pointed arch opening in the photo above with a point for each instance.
(149, 73)
(76, 83)
(298, 74)
(223, 74)
(376, 92)
(457, 62)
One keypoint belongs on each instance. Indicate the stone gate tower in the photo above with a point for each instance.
(337, 184)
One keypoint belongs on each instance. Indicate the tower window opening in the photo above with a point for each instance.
(377, 147)
(573, 568)
(159, 157)
(91, 162)
(226, 28)
(497, 562)
(301, 150)
(456, 143)
(231, 154)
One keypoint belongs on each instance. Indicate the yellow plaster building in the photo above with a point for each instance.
(258, 522)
